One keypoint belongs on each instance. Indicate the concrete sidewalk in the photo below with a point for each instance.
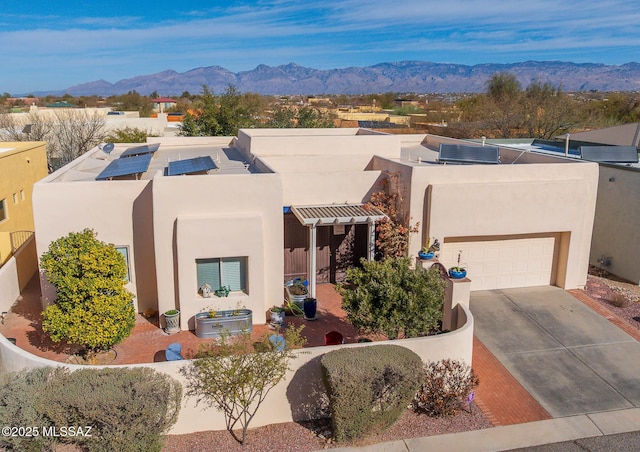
(516, 436)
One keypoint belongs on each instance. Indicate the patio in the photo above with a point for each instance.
(147, 342)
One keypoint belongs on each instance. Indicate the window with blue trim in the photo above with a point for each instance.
(230, 272)
(124, 250)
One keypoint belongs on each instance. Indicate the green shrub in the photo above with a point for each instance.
(93, 308)
(369, 387)
(19, 393)
(389, 297)
(128, 135)
(128, 409)
(446, 385)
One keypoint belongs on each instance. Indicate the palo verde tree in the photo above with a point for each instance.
(235, 375)
(93, 308)
(390, 298)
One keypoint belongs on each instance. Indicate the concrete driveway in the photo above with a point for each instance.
(570, 359)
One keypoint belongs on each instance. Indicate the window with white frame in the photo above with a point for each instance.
(124, 250)
(230, 272)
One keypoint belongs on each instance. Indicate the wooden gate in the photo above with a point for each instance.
(337, 248)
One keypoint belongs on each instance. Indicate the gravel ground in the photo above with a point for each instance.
(304, 437)
(609, 292)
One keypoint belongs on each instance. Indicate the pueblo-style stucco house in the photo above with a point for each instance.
(253, 211)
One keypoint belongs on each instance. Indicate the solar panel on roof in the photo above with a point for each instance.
(460, 153)
(190, 166)
(126, 167)
(140, 150)
(609, 154)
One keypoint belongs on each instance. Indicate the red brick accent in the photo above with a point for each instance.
(500, 397)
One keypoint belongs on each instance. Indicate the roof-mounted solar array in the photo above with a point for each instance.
(609, 154)
(191, 166)
(460, 153)
(126, 167)
(140, 150)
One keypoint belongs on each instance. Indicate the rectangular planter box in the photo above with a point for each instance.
(233, 321)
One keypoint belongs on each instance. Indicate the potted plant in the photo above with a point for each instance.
(458, 272)
(429, 251)
(172, 321)
(297, 291)
(222, 292)
(277, 315)
(310, 307)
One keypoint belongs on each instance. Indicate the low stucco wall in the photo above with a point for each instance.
(300, 396)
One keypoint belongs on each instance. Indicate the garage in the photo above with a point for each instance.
(502, 263)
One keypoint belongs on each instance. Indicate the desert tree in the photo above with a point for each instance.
(235, 374)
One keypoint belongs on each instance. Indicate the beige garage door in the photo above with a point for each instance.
(501, 264)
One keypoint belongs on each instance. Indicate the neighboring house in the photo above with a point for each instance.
(161, 104)
(21, 165)
(616, 236)
(273, 204)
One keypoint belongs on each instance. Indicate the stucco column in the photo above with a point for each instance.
(371, 239)
(312, 261)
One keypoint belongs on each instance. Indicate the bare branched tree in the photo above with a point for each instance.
(68, 133)
(76, 132)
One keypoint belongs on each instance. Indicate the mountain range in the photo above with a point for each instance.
(403, 76)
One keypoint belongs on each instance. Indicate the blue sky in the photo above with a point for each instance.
(55, 44)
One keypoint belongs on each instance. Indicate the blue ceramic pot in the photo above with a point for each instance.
(457, 274)
(425, 256)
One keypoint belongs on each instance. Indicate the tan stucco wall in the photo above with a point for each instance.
(334, 142)
(119, 212)
(20, 167)
(317, 163)
(223, 235)
(616, 234)
(318, 188)
(493, 200)
(519, 200)
(227, 214)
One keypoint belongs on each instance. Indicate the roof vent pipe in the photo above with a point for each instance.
(566, 146)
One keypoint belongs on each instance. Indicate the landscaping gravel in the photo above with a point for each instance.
(316, 435)
(606, 291)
